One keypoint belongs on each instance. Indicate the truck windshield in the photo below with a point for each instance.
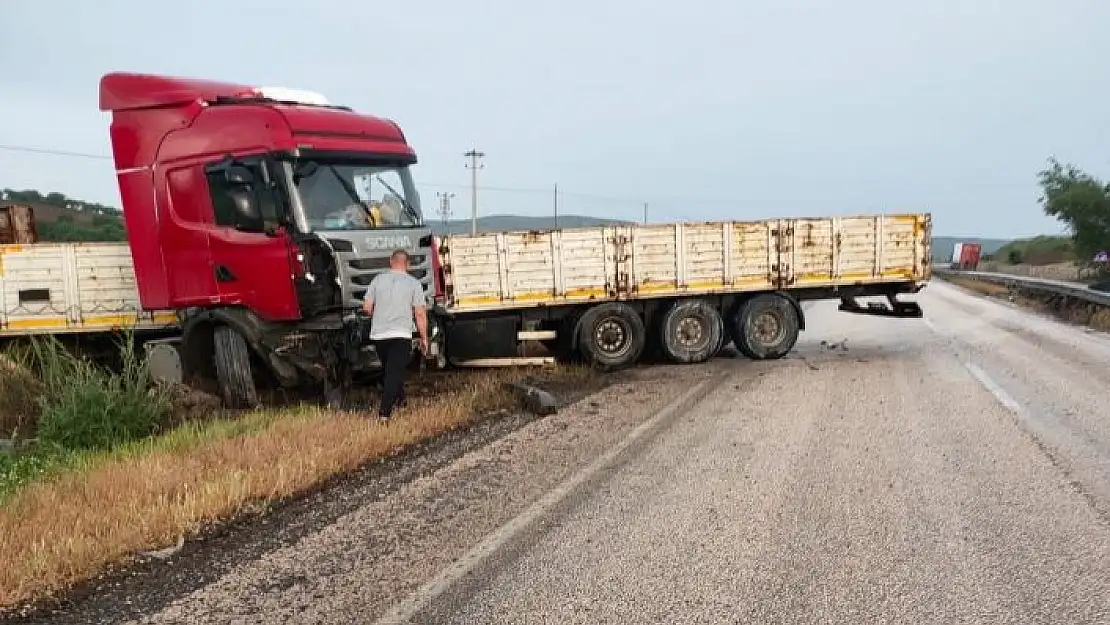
(346, 196)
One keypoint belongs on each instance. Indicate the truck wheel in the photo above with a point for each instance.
(611, 335)
(691, 331)
(233, 369)
(765, 327)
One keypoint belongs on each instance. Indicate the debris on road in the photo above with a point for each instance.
(162, 554)
(841, 345)
(535, 399)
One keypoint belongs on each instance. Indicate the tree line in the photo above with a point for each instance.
(78, 221)
(1082, 203)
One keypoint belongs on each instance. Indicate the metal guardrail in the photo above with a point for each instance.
(1045, 285)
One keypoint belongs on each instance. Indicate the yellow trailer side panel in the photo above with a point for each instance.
(512, 269)
(71, 287)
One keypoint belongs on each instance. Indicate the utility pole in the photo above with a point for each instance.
(645, 213)
(555, 199)
(475, 157)
(445, 206)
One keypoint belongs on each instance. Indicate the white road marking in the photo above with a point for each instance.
(1001, 395)
(411, 606)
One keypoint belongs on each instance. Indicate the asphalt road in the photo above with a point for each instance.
(951, 470)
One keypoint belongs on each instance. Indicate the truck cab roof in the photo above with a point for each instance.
(311, 121)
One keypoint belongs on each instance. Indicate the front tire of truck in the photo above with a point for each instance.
(691, 331)
(611, 336)
(233, 369)
(765, 327)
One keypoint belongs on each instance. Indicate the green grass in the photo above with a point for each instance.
(20, 468)
(87, 406)
(71, 407)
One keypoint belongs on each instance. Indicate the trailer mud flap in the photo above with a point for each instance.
(891, 308)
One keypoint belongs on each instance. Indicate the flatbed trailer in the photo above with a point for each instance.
(607, 294)
(73, 288)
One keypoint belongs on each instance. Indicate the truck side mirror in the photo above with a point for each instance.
(237, 174)
(247, 215)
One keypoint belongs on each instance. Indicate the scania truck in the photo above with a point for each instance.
(256, 217)
(262, 214)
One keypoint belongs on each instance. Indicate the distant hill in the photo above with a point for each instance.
(944, 246)
(1042, 250)
(500, 223)
(62, 218)
(59, 218)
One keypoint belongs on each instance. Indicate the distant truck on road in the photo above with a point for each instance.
(256, 217)
(966, 256)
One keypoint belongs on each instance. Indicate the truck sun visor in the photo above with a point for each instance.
(285, 94)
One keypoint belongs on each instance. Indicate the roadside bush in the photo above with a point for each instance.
(84, 405)
(19, 393)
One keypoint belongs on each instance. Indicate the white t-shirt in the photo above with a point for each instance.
(394, 294)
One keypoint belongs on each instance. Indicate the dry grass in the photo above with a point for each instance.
(1100, 320)
(986, 288)
(62, 529)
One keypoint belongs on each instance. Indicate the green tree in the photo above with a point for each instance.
(56, 199)
(1080, 201)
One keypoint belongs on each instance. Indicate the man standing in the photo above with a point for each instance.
(393, 300)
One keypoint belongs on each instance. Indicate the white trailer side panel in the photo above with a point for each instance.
(71, 287)
(517, 269)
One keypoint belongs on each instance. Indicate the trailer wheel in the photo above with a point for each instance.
(611, 336)
(233, 369)
(691, 331)
(765, 327)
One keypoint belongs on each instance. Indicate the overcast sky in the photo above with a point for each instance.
(705, 110)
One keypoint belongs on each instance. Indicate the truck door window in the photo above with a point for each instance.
(223, 203)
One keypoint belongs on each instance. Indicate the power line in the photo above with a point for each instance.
(34, 150)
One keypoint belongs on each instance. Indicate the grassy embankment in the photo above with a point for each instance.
(113, 471)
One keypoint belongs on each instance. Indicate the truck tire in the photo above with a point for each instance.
(233, 369)
(691, 331)
(765, 327)
(611, 336)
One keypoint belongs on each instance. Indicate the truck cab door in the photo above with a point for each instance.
(251, 255)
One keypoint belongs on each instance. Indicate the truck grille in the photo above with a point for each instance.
(374, 264)
(359, 272)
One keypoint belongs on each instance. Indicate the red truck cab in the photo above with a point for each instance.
(264, 212)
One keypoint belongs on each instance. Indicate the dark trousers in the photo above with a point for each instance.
(395, 355)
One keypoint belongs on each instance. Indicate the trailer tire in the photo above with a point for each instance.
(691, 331)
(233, 369)
(765, 327)
(611, 336)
